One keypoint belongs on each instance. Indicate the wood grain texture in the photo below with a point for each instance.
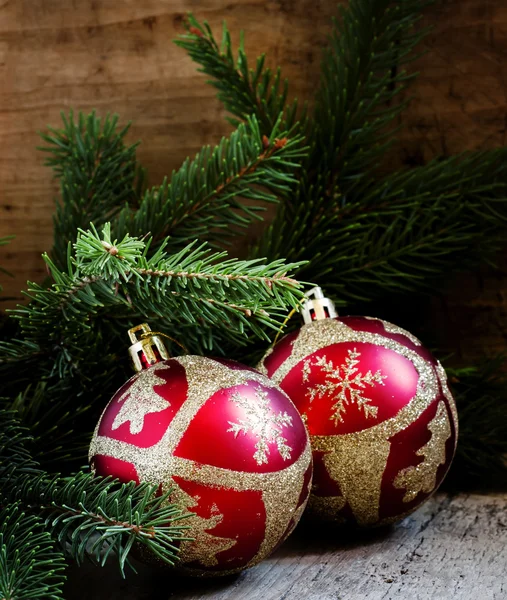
(460, 98)
(115, 57)
(57, 54)
(453, 547)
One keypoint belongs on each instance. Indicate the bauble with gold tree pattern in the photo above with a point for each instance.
(226, 440)
(383, 424)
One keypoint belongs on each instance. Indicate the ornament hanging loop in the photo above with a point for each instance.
(317, 306)
(147, 347)
(159, 333)
(312, 309)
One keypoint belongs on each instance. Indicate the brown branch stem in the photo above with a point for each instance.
(267, 281)
(248, 169)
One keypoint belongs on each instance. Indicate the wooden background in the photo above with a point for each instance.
(117, 55)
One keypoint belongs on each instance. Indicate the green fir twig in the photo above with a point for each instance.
(220, 192)
(88, 517)
(244, 91)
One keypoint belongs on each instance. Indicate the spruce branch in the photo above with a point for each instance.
(190, 287)
(94, 518)
(17, 350)
(107, 256)
(406, 231)
(56, 389)
(97, 172)
(244, 91)
(53, 385)
(31, 567)
(15, 457)
(55, 410)
(219, 191)
(349, 129)
(352, 125)
(362, 75)
(415, 225)
(90, 517)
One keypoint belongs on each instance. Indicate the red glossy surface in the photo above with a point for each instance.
(208, 439)
(399, 387)
(404, 447)
(174, 391)
(114, 467)
(280, 353)
(303, 498)
(323, 484)
(232, 524)
(396, 390)
(377, 326)
(242, 520)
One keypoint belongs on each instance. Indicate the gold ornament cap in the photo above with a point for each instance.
(147, 347)
(317, 306)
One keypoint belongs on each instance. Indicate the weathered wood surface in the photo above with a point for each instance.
(118, 56)
(453, 547)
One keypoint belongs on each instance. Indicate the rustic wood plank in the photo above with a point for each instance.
(453, 547)
(460, 97)
(119, 57)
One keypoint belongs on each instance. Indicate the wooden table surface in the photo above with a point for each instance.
(453, 547)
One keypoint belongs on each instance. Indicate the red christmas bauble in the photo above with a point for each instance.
(230, 443)
(381, 418)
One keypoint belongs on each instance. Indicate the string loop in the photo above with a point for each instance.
(148, 334)
(289, 316)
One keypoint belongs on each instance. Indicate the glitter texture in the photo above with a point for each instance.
(391, 328)
(323, 506)
(361, 475)
(345, 384)
(205, 547)
(264, 424)
(279, 491)
(442, 376)
(423, 477)
(356, 462)
(139, 400)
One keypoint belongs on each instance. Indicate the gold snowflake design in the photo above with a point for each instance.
(141, 399)
(263, 423)
(345, 383)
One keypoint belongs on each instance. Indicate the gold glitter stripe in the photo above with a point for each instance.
(205, 377)
(280, 490)
(391, 328)
(442, 375)
(320, 334)
(357, 461)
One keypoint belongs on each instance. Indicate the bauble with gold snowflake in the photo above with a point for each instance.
(382, 421)
(225, 438)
